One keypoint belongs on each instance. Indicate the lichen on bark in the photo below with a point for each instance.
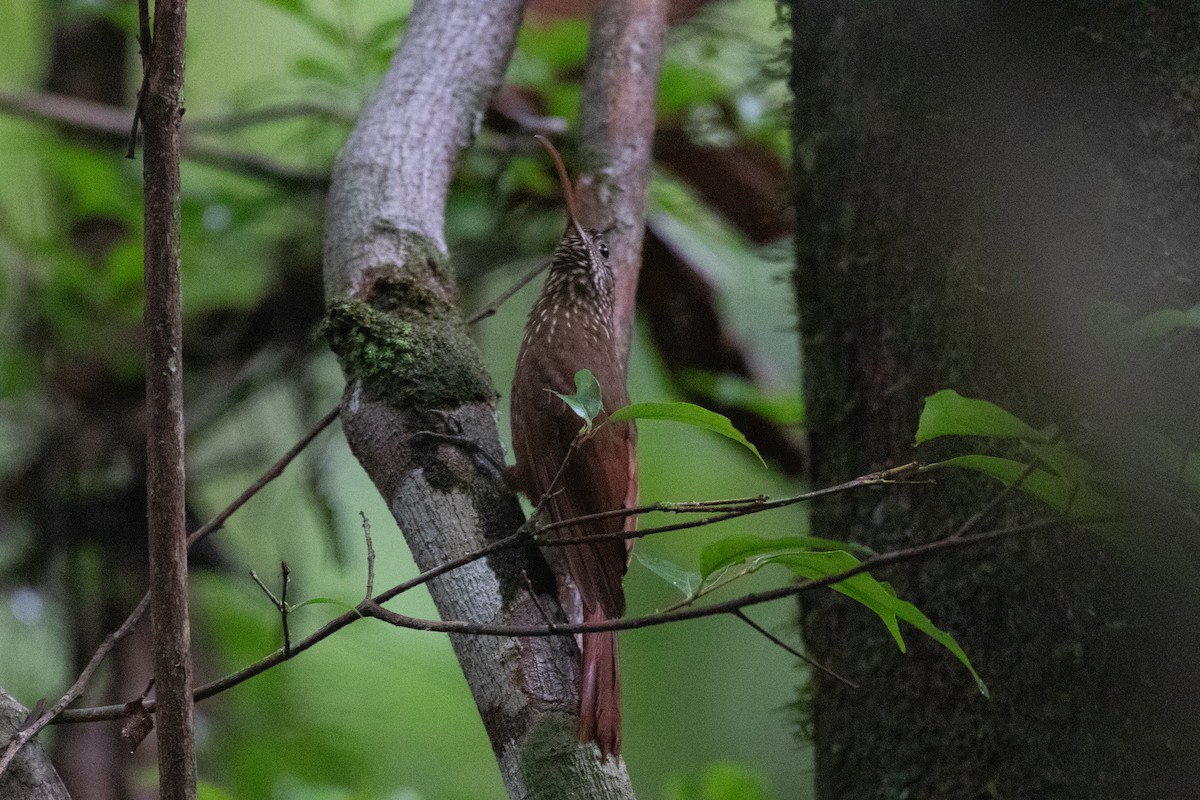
(413, 364)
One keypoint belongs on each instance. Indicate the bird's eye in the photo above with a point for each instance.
(603, 248)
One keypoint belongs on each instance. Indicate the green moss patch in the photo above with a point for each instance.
(412, 352)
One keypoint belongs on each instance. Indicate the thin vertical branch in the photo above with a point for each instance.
(616, 135)
(161, 114)
(144, 44)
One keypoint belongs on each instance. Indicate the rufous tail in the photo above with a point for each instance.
(600, 692)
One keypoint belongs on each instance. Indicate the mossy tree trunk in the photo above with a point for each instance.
(411, 367)
(975, 183)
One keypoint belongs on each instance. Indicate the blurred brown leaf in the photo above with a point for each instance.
(744, 181)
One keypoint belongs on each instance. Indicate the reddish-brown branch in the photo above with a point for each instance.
(616, 137)
(161, 111)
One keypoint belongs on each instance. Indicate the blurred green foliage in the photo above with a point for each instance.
(720, 781)
(374, 712)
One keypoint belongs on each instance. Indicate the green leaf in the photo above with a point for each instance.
(735, 390)
(876, 595)
(586, 402)
(324, 71)
(688, 414)
(683, 580)
(719, 781)
(297, 7)
(1161, 323)
(947, 413)
(1067, 464)
(741, 548)
(1063, 494)
(210, 791)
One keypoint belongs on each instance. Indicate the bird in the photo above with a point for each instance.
(571, 328)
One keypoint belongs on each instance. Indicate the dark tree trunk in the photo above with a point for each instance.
(973, 181)
(31, 776)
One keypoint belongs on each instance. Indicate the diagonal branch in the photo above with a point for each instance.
(76, 690)
(372, 608)
(32, 728)
(775, 640)
(31, 776)
(112, 123)
(522, 538)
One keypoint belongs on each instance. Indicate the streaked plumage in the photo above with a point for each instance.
(571, 328)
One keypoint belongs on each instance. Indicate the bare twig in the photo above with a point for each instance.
(494, 306)
(280, 603)
(273, 472)
(752, 506)
(366, 524)
(553, 488)
(33, 727)
(145, 42)
(532, 593)
(284, 609)
(135, 616)
(522, 538)
(999, 498)
(372, 608)
(802, 656)
(113, 123)
(755, 598)
(748, 505)
(266, 590)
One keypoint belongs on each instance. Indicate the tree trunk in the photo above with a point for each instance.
(411, 367)
(31, 776)
(974, 182)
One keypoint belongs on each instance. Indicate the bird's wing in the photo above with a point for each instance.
(600, 476)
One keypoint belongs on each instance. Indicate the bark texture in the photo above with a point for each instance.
(616, 138)
(974, 181)
(31, 776)
(162, 110)
(411, 367)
